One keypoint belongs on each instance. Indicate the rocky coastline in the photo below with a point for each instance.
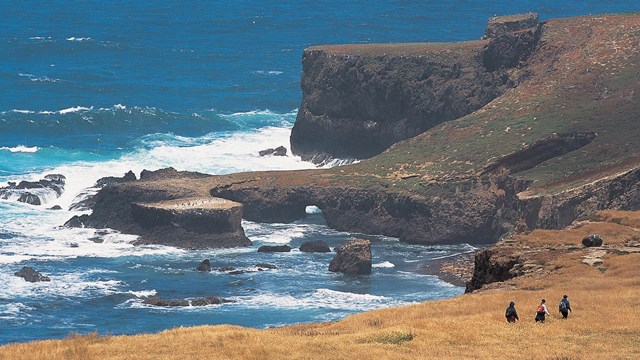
(534, 153)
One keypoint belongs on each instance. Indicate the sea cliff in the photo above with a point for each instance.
(558, 141)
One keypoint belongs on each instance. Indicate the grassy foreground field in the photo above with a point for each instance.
(602, 283)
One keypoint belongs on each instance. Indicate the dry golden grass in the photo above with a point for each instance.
(605, 322)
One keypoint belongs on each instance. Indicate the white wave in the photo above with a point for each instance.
(320, 298)
(270, 72)
(64, 285)
(384, 264)
(21, 148)
(266, 112)
(73, 38)
(38, 78)
(13, 310)
(22, 111)
(143, 293)
(312, 209)
(74, 109)
(274, 233)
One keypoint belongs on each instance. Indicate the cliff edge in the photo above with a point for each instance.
(357, 100)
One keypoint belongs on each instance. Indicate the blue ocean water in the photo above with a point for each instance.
(97, 88)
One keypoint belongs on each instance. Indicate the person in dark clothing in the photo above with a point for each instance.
(564, 307)
(511, 314)
(542, 311)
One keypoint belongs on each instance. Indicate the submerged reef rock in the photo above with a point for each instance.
(274, 248)
(31, 275)
(360, 99)
(204, 301)
(353, 258)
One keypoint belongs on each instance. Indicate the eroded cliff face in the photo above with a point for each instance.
(360, 99)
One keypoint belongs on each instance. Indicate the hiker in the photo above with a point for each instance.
(511, 314)
(542, 311)
(564, 307)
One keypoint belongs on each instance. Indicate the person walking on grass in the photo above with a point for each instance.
(511, 314)
(564, 307)
(541, 312)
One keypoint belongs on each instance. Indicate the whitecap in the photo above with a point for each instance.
(384, 264)
(143, 293)
(21, 149)
(13, 310)
(312, 209)
(73, 38)
(74, 109)
(22, 111)
(270, 72)
(320, 298)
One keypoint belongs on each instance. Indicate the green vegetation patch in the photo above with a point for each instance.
(391, 338)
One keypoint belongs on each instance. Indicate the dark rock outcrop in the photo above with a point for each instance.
(29, 198)
(315, 246)
(129, 176)
(205, 265)
(210, 300)
(166, 214)
(31, 275)
(592, 240)
(360, 99)
(353, 258)
(34, 192)
(274, 248)
(191, 222)
(279, 151)
(490, 267)
(511, 40)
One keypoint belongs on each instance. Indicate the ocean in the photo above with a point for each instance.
(97, 88)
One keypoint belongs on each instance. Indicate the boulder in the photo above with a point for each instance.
(55, 207)
(279, 151)
(490, 267)
(353, 258)
(77, 221)
(274, 248)
(29, 198)
(205, 265)
(315, 246)
(592, 240)
(31, 275)
(210, 300)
